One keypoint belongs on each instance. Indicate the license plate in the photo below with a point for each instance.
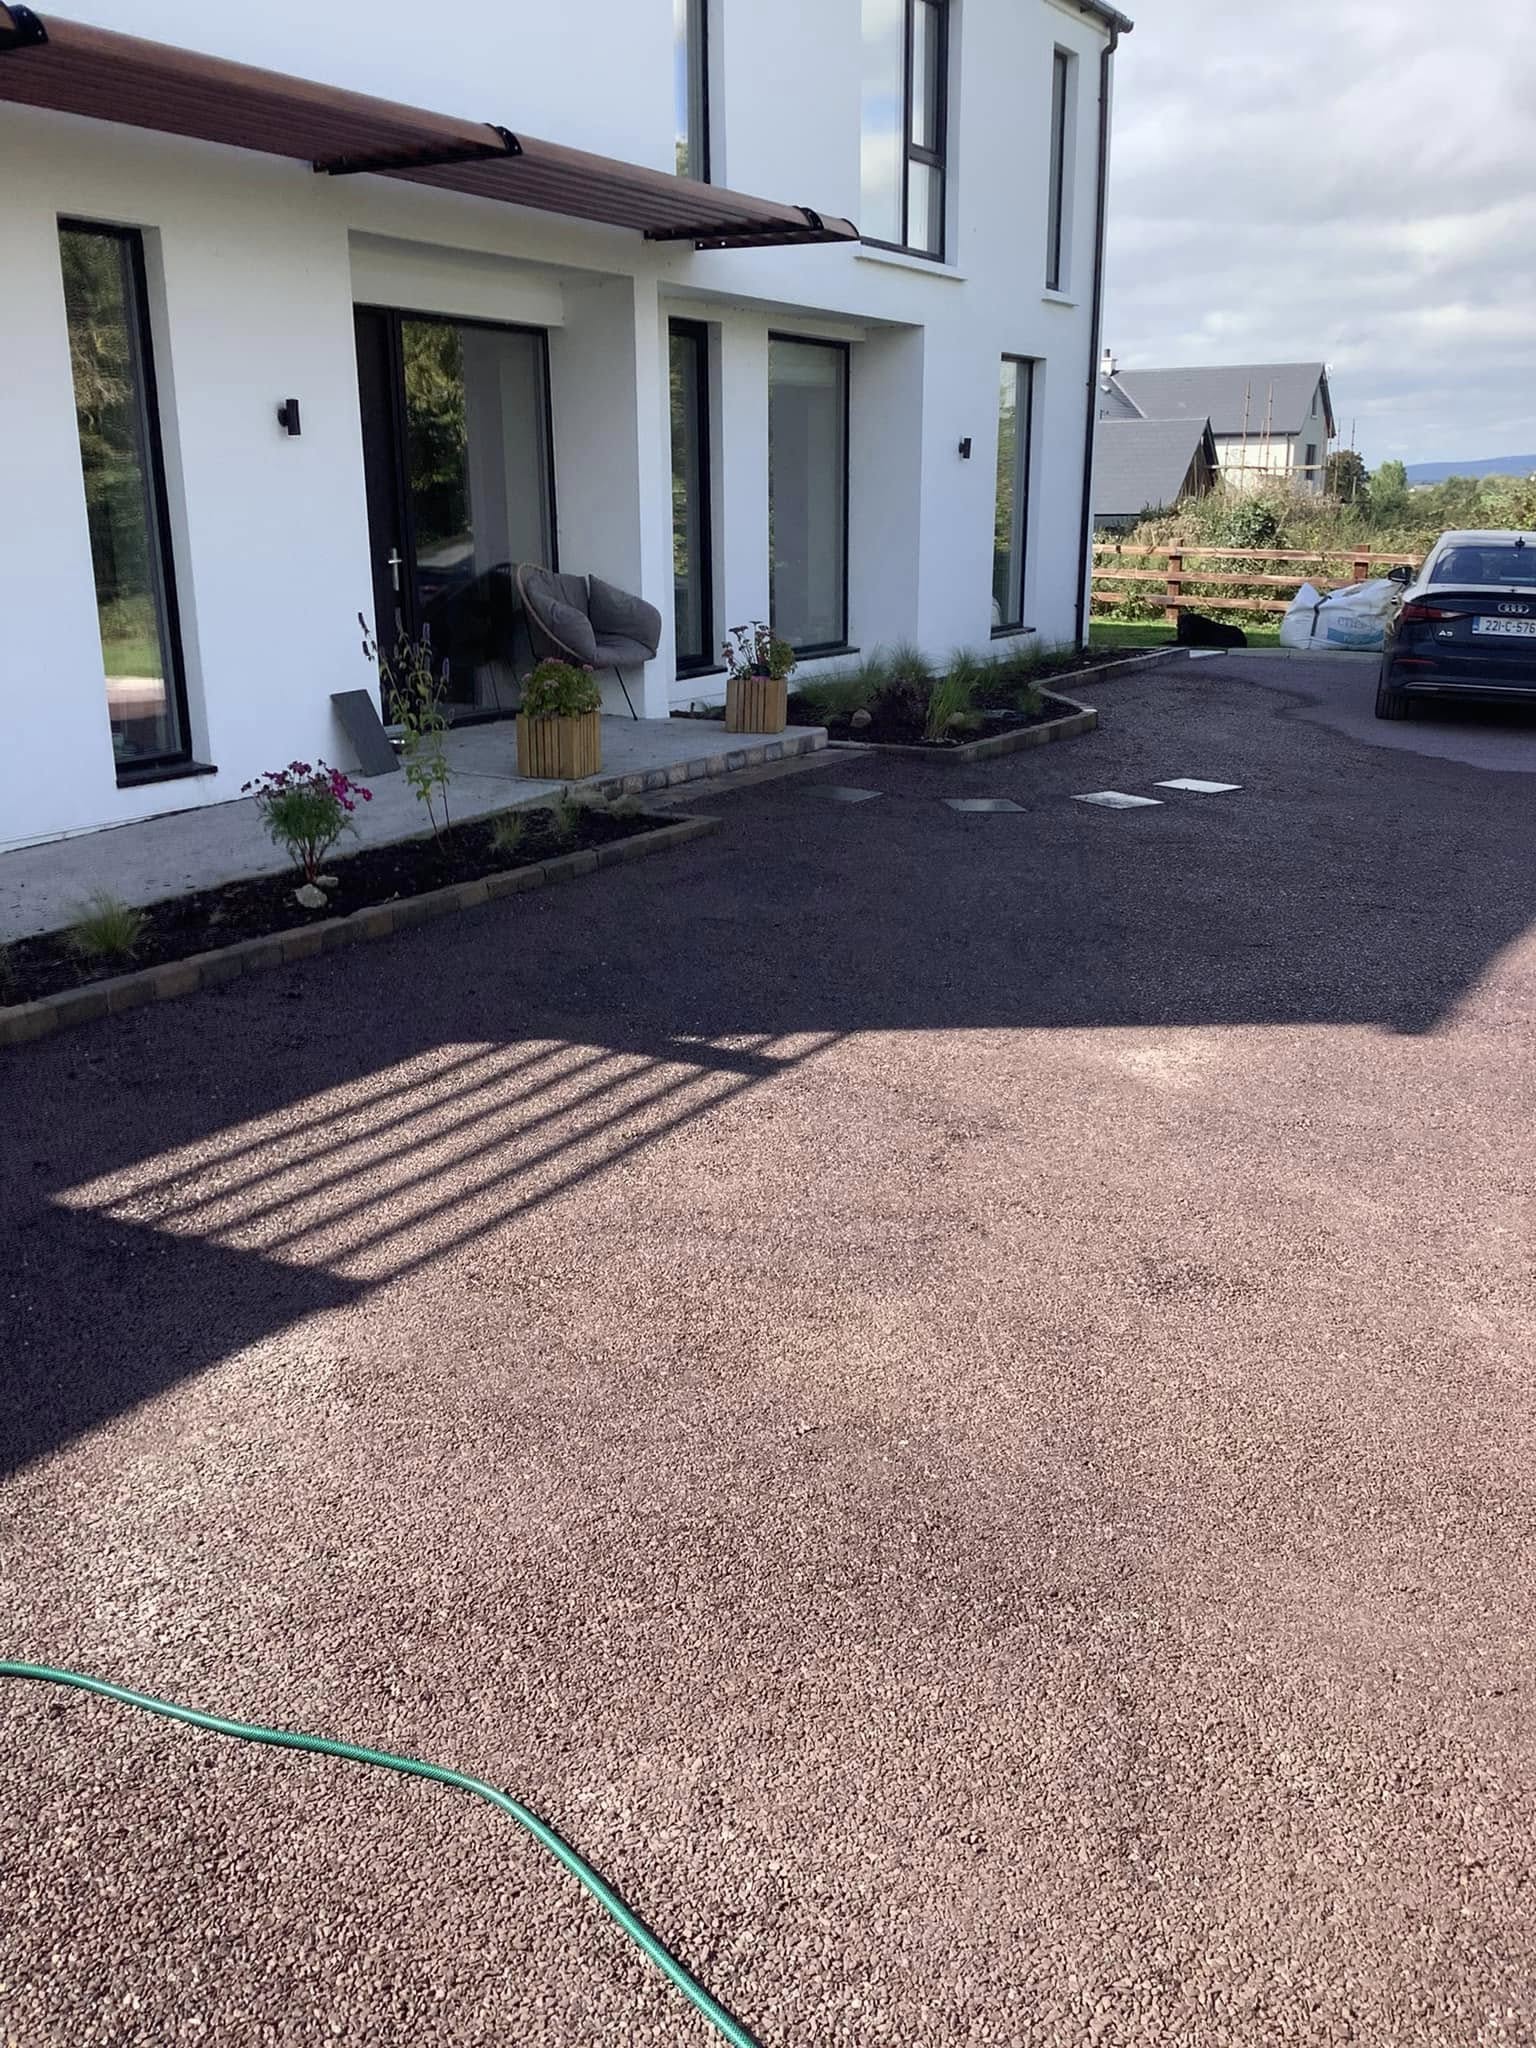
(1514, 629)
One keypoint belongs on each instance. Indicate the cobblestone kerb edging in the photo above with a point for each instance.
(1080, 719)
(1156, 657)
(25, 1021)
(702, 767)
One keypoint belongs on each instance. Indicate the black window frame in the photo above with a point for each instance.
(697, 332)
(911, 153)
(1063, 69)
(166, 766)
(696, 44)
(1024, 452)
(819, 648)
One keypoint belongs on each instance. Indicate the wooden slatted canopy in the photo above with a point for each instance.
(72, 68)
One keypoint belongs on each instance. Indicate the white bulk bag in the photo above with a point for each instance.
(1355, 617)
(1360, 615)
(1300, 622)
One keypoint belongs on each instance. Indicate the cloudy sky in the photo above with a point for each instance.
(1353, 180)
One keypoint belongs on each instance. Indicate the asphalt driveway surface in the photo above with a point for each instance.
(1339, 692)
(950, 1396)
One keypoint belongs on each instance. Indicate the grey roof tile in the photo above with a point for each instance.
(1227, 394)
(1140, 465)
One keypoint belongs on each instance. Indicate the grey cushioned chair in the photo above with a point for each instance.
(584, 619)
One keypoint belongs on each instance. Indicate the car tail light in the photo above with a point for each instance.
(1417, 614)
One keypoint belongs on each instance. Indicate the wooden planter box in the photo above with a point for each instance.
(756, 704)
(559, 749)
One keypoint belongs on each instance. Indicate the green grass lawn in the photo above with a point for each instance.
(130, 640)
(1153, 633)
(139, 656)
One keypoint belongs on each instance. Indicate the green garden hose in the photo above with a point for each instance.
(322, 1745)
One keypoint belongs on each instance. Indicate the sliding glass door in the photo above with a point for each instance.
(808, 492)
(457, 462)
(692, 567)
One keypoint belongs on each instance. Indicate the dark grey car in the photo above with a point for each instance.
(1467, 626)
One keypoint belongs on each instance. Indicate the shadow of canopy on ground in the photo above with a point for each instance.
(186, 1182)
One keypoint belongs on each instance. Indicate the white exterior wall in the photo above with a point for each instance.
(1253, 463)
(255, 264)
(1314, 434)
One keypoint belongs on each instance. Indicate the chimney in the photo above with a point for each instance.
(1108, 366)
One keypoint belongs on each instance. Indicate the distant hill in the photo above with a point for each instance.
(1496, 465)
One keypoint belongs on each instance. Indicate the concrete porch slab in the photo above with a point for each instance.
(198, 849)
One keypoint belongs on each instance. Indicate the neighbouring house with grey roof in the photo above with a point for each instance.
(1271, 422)
(1142, 466)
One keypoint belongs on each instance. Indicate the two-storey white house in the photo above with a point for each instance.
(319, 311)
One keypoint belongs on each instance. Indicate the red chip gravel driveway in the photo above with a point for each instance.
(949, 1396)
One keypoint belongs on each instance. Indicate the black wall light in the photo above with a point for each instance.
(965, 449)
(288, 416)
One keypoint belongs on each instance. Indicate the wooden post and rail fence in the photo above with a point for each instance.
(1192, 589)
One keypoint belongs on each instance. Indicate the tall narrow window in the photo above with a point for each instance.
(125, 499)
(690, 86)
(808, 492)
(1061, 171)
(1010, 539)
(692, 569)
(904, 99)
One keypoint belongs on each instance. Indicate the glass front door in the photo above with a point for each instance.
(457, 464)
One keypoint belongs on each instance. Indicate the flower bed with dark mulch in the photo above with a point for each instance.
(899, 722)
(184, 926)
(897, 699)
(899, 725)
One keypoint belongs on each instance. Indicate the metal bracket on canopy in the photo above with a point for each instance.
(504, 144)
(20, 29)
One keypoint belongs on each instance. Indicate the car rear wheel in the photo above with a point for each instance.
(1390, 703)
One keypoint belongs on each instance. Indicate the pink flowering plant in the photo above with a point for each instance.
(757, 651)
(306, 809)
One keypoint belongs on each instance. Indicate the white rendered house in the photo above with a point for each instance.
(277, 354)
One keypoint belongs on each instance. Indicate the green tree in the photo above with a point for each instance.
(1348, 477)
(437, 432)
(1389, 493)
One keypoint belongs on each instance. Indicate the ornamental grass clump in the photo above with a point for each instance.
(835, 699)
(105, 927)
(1013, 681)
(509, 832)
(952, 698)
(306, 809)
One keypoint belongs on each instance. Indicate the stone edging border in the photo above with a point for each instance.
(1080, 719)
(761, 749)
(1156, 657)
(26, 1021)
